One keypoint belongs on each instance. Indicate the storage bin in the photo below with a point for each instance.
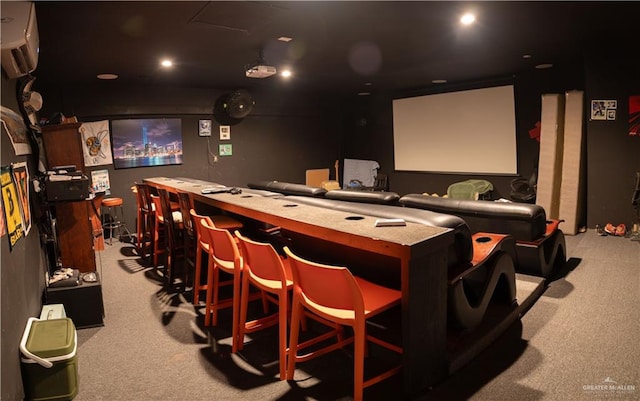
(55, 311)
(49, 360)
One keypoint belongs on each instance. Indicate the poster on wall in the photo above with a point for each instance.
(17, 131)
(603, 109)
(21, 180)
(634, 115)
(13, 217)
(100, 181)
(204, 128)
(3, 227)
(146, 142)
(96, 144)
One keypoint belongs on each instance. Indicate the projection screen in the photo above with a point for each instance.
(471, 132)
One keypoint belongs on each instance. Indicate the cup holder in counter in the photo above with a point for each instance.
(354, 218)
(290, 205)
(482, 240)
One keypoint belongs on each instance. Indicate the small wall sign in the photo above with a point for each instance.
(204, 128)
(225, 132)
(603, 109)
(225, 149)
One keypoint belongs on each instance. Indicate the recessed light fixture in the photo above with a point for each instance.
(439, 81)
(526, 56)
(166, 63)
(285, 39)
(544, 66)
(107, 76)
(467, 19)
(285, 73)
(364, 93)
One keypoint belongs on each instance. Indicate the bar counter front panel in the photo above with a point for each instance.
(421, 252)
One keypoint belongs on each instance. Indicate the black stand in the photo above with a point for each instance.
(82, 303)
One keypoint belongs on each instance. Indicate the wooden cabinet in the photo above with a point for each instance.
(75, 233)
(63, 145)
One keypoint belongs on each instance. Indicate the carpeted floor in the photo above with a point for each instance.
(578, 342)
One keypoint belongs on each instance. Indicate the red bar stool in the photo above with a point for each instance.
(224, 257)
(202, 246)
(174, 249)
(110, 206)
(271, 273)
(338, 296)
(145, 223)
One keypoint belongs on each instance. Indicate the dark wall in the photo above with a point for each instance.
(370, 129)
(288, 133)
(613, 157)
(23, 270)
(284, 135)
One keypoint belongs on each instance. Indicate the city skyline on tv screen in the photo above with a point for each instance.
(146, 142)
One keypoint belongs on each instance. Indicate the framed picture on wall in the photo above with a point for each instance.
(146, 142)
(598, 110)
(204, 127)
(603, 109)
(100, 180)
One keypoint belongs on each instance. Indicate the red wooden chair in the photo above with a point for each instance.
(202, 246)
(271, 273)
(336, 295)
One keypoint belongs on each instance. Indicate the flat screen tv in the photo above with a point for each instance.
(146, 142)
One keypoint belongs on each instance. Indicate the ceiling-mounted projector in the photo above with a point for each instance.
(260, 71)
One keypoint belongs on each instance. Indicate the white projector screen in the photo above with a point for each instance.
(471, 132)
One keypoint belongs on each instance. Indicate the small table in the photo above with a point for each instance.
(82, 303)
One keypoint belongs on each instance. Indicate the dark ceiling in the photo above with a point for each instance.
(343, 46)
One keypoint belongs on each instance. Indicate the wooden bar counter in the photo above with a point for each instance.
(420, 251)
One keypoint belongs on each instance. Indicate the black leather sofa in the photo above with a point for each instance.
(540, 244)
(287, 188)
(379, 198)
(479, 266)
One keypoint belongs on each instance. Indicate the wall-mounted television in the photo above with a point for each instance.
(146, 142)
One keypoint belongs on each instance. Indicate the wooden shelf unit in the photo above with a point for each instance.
(75, 232)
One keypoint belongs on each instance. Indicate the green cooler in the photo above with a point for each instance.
(49, 361)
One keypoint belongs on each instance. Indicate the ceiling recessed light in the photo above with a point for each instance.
(107, 76)
(467, 19)
(439, 81)
(285, 73)
(544, 66)
(285, 39)
(526, 56)
(166, 63)
(364, 93)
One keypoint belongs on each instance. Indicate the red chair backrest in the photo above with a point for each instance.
(331, 286)
(262, 259)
